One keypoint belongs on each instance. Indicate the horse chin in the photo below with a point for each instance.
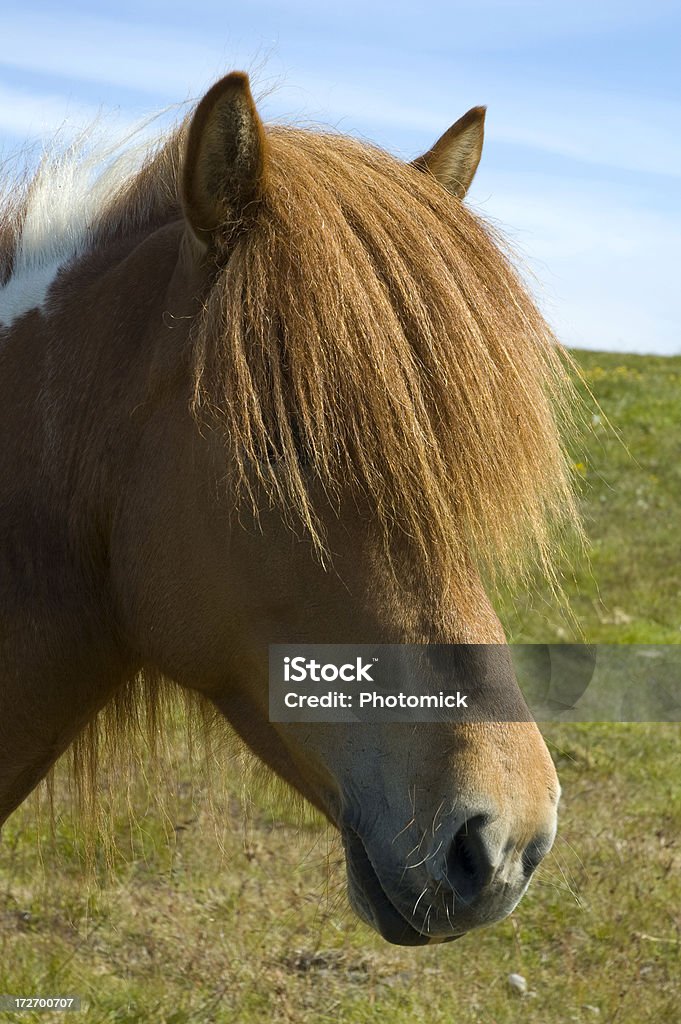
(371, 903)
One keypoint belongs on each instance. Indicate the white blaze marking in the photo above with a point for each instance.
(27, 289)
(65, 200)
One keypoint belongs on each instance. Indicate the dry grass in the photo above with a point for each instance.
(185, 931)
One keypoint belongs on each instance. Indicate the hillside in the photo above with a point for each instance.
(627, 457)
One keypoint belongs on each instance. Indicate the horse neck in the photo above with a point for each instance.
(77, 376)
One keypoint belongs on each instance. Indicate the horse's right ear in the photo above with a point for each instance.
(224, 164)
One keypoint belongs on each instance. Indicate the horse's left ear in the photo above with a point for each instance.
(454, 158)
(224, 165)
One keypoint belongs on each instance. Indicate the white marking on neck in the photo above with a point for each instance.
(65, 201)
(27, 289)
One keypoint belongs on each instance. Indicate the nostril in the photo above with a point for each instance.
(530, 861)
(535, 852)
(463, 853)
(468, 865)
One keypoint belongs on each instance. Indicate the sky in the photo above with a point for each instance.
(582, 161)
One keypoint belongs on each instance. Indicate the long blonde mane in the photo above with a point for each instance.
(368, 332)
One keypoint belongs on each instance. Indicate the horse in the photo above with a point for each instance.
(276, 385)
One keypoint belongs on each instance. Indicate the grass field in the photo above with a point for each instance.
(230, 909)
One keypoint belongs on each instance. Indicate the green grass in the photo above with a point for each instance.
(627, 458)
(230, 910)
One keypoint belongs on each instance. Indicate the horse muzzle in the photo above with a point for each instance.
(442, 889)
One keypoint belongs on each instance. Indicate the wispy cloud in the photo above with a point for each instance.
(604, 269)
(39, 114)
(154, 60)
(583, 156)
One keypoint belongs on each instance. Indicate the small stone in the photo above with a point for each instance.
(517, 983)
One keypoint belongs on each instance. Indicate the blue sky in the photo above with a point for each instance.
(582, 163)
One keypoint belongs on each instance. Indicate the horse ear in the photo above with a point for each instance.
(454, 158)
(224, 165)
